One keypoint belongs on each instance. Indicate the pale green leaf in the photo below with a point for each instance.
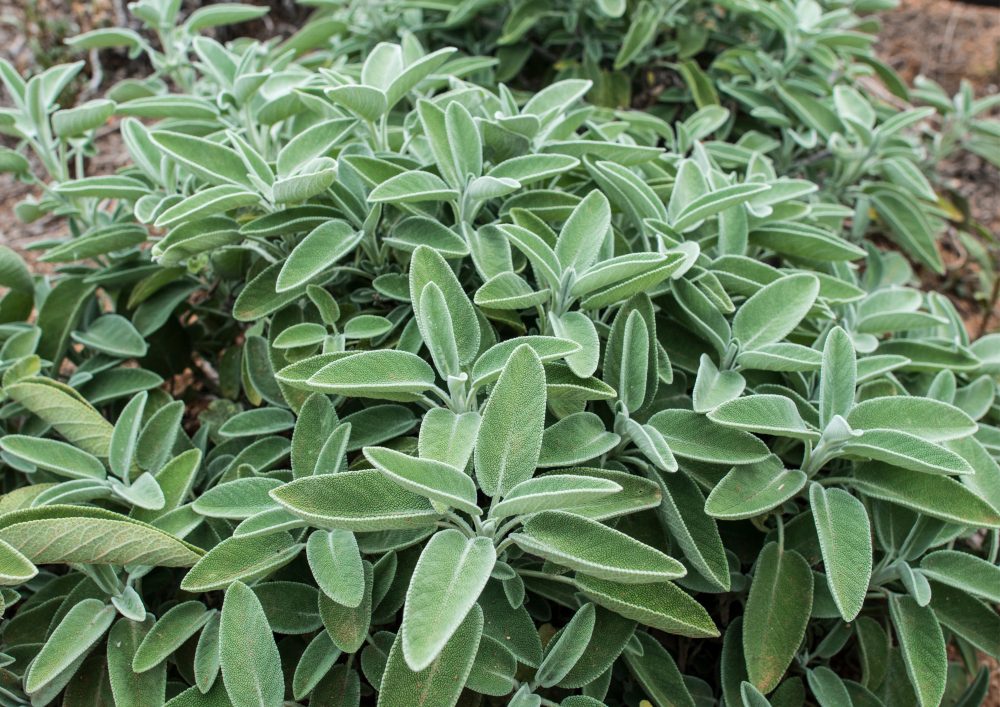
(845, 538)
(446, 582)
(510, 436)
(251, 665)
(595, 549)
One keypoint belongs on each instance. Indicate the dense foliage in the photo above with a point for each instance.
(372, 378)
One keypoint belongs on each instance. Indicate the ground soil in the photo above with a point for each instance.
(948, 42)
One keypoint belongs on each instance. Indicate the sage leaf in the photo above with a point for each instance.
(845, 538)
(248, 656)
(446, 582)
(510, 436)
(595, 549)
(776, 616)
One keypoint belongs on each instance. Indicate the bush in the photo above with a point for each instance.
(371, 379)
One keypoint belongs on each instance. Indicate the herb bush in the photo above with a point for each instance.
(373, 380)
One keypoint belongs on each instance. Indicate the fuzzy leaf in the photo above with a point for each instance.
(753, 489)
(694, 436)
(926, 418)
(355, 500)
(663, 605)
(440, 683)
(177, 625)
(552, 492)
(446, 582)
(251, 665)
(336, 565)
(567, 647)
(923, 648)
(76, 534)
(510, 436)
(837, 377)
(442, 483)
(777, 613)
(963, 571)
(775, 310)
(73, 418)
(763, 414)
(845, 538)
(935, 495)
(595, 549)
(82, 626)
(385, 374)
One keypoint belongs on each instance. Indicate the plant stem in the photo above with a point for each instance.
(545, 575)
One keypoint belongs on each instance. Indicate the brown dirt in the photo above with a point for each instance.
(944, 40)
(993, 696)
(948, 41)
(111, 155)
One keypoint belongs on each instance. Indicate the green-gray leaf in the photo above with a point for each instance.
(335, 561)
(595, 549)
(923, 647)
(776, 616)
(446, 582)
(510, 436)
(362, 500)
(845, 539)
(440, 683)
(81, 627)
(775, 310)
(441, 483)
(663, 605)
(251, 665)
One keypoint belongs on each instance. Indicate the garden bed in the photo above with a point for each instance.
(667, 373)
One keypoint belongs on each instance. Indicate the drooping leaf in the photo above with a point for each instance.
(922, 644)
(776, 616)
(845, 538)
(251, 668)
(446, 582)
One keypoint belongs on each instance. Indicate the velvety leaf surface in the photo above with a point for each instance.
(777, 613)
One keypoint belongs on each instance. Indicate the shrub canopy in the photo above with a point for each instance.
(463, 354)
